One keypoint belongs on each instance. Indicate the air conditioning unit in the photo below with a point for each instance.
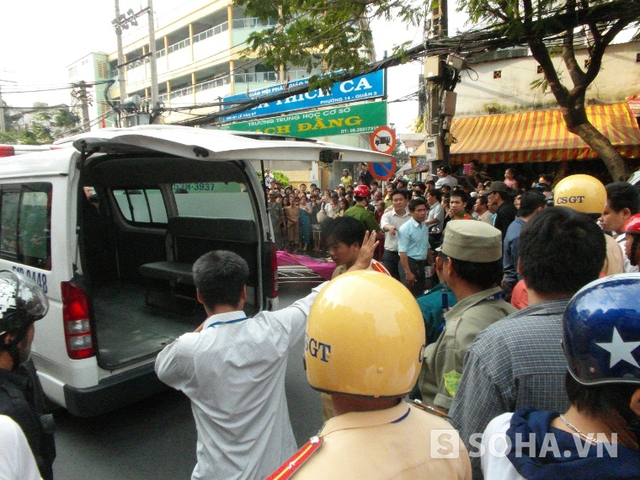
(433, 148)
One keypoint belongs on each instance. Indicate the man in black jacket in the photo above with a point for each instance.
(22, 302)
(501, 194)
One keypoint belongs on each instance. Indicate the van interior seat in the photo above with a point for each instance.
(191, 237)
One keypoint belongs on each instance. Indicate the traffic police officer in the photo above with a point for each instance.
(470, 261)
(368, 364)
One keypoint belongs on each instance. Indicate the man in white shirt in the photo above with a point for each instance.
(445, 178)
(482, 209)
(233, 370)
(436, 212)
(390, 222)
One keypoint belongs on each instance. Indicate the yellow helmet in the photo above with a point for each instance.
(582, 193)
(365, 336)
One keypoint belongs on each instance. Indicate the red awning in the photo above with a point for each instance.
(541, 136)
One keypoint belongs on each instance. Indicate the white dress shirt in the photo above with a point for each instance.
(392, 218)
(234, 371)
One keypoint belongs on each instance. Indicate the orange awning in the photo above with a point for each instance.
(541, 136)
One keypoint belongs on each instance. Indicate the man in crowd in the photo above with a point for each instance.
(601, 331)
(518, 362)
(413, 247)
(22, 303)
(457, 202)
(481, 207)
(390, 222)
(364, 175)
(470, 260)
(506, 213)
(344, 239)
(445, 177)
(332, 208)
(276, 212)
(368, 364)
(623, 201)
(531, 203)
(360, 211)
(436, 212)
(232, 368)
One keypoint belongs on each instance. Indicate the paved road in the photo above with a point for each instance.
(156, 438)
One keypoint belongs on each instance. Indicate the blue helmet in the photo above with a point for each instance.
(602, 331)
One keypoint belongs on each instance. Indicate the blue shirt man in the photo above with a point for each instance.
(413, 246)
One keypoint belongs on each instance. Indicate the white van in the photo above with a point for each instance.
(110, 225)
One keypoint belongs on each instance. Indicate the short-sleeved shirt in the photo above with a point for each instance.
(392, 218)
(436, 211)
(392, 443)
(364, 216)
(413, 239)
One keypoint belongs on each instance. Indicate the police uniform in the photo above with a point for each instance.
(364, 216)
(473, 242)
(370, 363)
(392, 443)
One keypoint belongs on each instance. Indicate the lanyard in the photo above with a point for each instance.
(225, 323)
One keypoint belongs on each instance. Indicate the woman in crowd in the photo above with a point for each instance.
(305, 223)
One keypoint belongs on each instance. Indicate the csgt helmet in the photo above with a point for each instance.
(602, 331)
(365, 336)
(582, 193)
(632, 227)
(22, 302)
(361, 191)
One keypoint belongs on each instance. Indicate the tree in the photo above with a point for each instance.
(332, 35)
(534, 21)
(335, 34)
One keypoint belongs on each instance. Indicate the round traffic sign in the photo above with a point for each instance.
(383, 171)
(383, 139)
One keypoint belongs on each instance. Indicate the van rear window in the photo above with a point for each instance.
(25, 224)
(213, 200)
(144, 205)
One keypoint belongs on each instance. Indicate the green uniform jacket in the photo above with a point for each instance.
(364, 216)
(442, 367)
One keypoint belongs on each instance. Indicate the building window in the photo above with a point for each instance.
(497, 74)
(103, 71)
(73, 71)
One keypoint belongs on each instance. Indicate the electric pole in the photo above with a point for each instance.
(153, 66)
(117, 23)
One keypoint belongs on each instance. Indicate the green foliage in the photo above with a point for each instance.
(279, 176)
(330, 35)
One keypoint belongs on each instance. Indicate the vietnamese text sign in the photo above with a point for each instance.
(344, 120)
(359, 88)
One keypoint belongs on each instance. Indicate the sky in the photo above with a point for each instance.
(40, 39)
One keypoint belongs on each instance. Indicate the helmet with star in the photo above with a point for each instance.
(601, 337)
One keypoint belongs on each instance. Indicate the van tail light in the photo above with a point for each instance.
(274, 271)
(7, 151)
(77, 322)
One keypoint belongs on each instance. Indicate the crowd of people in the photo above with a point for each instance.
(500, 346)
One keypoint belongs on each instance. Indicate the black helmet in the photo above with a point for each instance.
(22, 302)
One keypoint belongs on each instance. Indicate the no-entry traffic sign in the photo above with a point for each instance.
(383, 139)
(383, 171)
